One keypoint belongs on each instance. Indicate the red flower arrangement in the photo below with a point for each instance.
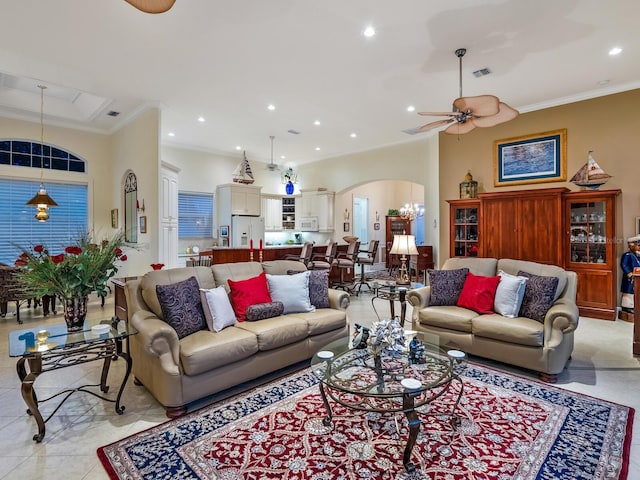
(82, 269)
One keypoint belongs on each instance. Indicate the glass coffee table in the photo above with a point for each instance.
(358, 380)
(46, 348)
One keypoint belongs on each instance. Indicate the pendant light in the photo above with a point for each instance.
(42, 201)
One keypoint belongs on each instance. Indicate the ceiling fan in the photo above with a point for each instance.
(152, 6)
(470, 112)
(272, 167)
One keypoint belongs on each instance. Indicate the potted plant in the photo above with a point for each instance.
(71, 275)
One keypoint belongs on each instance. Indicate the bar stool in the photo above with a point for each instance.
(324, 261)
(345, 261)
(305, 254)
(370, 259)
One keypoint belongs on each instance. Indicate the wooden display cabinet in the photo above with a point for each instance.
(464, 230)
(396, 225)
(590, 250)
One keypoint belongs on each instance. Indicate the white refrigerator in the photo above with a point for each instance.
(244, 229)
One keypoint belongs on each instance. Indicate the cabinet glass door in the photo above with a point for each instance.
(588, 233)
(465, 232)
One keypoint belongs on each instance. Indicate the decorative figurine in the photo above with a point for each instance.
(360, 336)
(416, 351)
(629, 261)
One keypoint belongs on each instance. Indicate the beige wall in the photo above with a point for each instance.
(608, 125)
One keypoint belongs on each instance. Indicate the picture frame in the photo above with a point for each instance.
(376, 226)
(143, 224)
(224, 231)
(345, 227)
(637, 226)
(536, 158)
(114, 218)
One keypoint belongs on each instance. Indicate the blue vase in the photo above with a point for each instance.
(289, 188)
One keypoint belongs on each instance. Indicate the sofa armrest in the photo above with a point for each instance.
(418, 298)
(563, 316)
(158, 339)
(338, 299)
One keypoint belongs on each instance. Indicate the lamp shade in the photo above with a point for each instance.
(42, 199)
(404, 245)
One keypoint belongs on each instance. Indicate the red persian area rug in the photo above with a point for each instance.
(511, 428)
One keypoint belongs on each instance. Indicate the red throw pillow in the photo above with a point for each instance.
(248, 292)
(478, 293)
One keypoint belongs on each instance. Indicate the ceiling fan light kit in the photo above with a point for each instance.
(470, 112)
(152, 6)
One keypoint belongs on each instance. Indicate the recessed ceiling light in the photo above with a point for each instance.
(317, 149)
(238, 147)
(171, 134)
(353, 135)
(369, 31)
(271, 107)
(283, 157)
(615, 51)
(317, 122)
(411, 108)
(201, 119)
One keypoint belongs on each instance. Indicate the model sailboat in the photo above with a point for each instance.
(243, 173)
(591, 175)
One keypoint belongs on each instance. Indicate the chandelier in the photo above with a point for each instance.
(411, 211)
(42, 201)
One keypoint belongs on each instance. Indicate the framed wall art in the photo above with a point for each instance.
(537, 158)
(376, 226)
(345, 227)
(143, 224)
(224, 231)
(114, 218)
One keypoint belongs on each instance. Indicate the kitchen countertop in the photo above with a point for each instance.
(265, 247)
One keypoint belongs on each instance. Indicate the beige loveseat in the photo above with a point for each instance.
(180, 371)
(544, 347)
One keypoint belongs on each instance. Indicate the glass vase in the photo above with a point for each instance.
(75, 312)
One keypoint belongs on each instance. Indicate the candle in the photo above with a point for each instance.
(251, 245)
(260, 244)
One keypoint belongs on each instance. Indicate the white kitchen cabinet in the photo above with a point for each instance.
(238, 199)
(168, 244)
(272, 213)
(318, 204)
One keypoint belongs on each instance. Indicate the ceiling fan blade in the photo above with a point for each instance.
(432, 125)
(152, 6)
(460, 128)
(505, 114)
(480, 106)
(439, 114)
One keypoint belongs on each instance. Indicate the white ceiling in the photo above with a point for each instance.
(227, 60)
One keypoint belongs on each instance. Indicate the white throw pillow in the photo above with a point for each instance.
(509, 294)
(292, 291)
(217, 308)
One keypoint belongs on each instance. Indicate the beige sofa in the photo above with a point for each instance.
(544, 347)
(180, 371)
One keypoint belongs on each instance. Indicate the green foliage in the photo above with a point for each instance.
(393, 211)
(82, 268)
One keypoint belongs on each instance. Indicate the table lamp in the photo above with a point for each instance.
(403, 245)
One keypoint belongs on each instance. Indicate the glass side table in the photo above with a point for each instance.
(393, 293)
(46, 348)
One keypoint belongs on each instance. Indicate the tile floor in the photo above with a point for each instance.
(602, 366)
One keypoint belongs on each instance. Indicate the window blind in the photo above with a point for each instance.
(195, 215)
(20, 230)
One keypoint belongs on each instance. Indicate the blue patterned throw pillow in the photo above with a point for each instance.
(446, 285)
(539, 294)
(181, 306)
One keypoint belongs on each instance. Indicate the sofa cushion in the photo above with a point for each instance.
(539, 295)
(318, 287)
(205, 350)
(478, 293)
(262, 311)
(278, 331)
(446, 285)
(477, 265)
(521, 331)
(322, 320)
(281, 267)
(223, 272)
(451, 318)
(217, 308)
(292, 291)
(181, 306)
(248, 292)
(509, 294)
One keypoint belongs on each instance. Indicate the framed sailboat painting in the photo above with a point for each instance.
(537, 158)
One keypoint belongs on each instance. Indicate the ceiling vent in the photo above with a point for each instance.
(293, 132)
(482, 72)
(113, 113)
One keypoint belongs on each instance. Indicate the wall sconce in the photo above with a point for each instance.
(346, 215)
(138, 207)
(377, 216)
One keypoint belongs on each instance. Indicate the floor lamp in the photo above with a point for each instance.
(403, 245)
